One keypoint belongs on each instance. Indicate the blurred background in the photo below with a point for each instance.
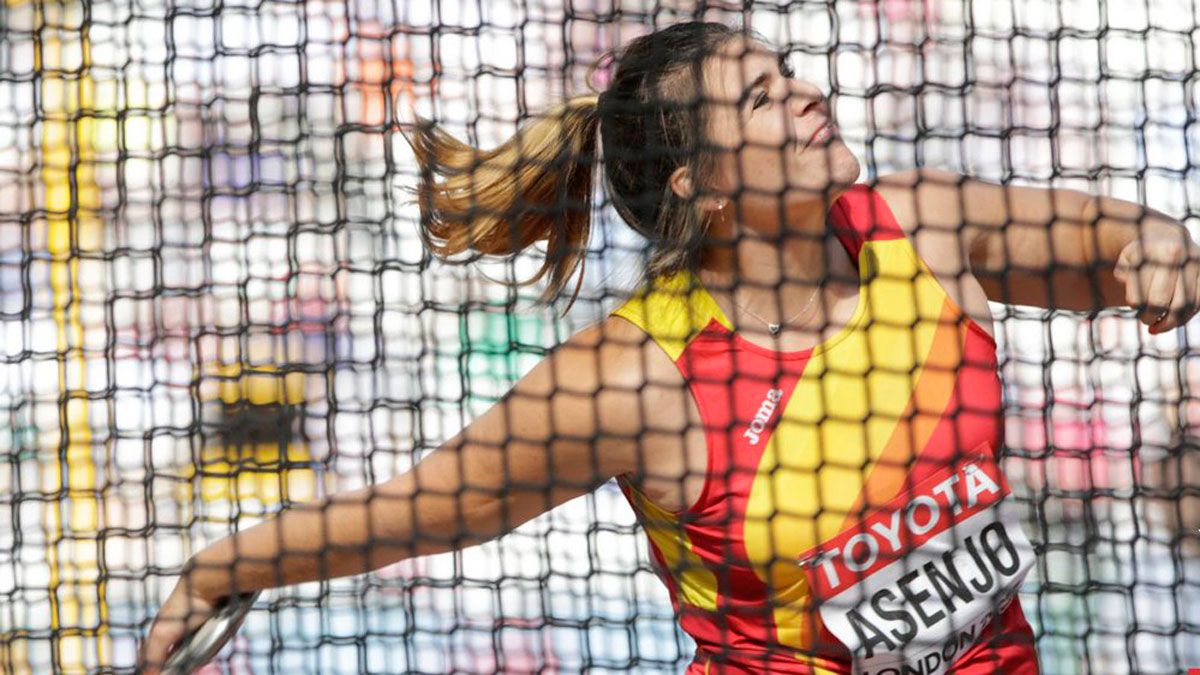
(214, 304)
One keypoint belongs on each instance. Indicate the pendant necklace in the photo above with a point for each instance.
(774, 328)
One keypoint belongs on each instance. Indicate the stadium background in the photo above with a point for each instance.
(213, 303)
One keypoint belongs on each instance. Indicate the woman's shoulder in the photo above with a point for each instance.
(929, 208)
(935, 233)
(905, 192)
(611, 383)
(623, 355)
(862, 214)
(670, 310)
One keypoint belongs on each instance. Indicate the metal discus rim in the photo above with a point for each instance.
(202, 644)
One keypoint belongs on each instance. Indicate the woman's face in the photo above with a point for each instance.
(770, 132)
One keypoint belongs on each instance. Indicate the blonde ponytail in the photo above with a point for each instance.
(536, 186)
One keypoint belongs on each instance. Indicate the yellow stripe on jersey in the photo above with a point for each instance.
(696, 583)
(847, 414)
(671, 313)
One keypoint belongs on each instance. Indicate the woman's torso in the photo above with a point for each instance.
(789, 450)
(672, 457)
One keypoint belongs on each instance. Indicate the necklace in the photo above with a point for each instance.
(774, 328)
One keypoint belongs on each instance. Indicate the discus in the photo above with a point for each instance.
(202, 644)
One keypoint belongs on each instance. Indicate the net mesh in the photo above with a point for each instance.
(215, 305)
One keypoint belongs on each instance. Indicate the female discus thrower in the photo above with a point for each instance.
(802, 402)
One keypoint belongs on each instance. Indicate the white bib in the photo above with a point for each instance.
(915, 582)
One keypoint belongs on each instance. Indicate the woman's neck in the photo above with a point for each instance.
(776, 280)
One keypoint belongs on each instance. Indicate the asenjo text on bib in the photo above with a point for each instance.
(911, 586)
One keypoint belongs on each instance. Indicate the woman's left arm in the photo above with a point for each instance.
(1063, 249)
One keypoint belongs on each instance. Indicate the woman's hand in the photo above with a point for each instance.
(186, 609)
(1161, 272)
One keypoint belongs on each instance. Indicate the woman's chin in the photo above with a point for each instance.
(842, 176)
(846, 167)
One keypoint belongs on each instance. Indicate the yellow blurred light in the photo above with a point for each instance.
(258, 385)
(250, 474)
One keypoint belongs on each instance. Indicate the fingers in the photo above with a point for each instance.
(1128, 263)
(1177, 310)
(158, 645)
(178, 617)
(1162, 279)
(1136, 279)
(1152, 287)
(1191, 287)
(1159, 295)
(1185, 301)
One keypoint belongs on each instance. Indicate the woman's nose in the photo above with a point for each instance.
(804, 100)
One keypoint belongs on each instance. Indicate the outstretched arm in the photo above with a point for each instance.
(1060, 248)
(567, 426)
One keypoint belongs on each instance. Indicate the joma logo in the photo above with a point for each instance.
(765, 412)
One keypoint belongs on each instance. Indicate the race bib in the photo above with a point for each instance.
(914, 583)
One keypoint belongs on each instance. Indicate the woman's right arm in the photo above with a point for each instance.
(577, 419)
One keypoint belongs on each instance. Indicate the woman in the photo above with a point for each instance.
(801, 404)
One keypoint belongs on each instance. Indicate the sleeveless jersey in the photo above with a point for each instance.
(853, 516)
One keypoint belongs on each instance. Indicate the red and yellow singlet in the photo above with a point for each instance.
(853, 516)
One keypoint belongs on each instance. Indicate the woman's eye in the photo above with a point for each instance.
(762, 99)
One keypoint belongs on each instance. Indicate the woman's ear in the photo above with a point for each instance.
(681, 184)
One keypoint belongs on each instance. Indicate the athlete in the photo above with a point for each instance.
(801, 402)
